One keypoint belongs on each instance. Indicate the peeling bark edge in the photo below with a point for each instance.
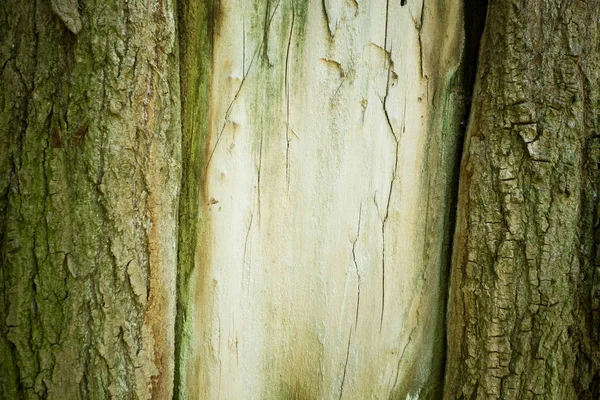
(474, 19)
(197, 25)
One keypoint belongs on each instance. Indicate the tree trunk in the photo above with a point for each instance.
(282, 228)
(322, 140)
(89, 181)
(524, 316)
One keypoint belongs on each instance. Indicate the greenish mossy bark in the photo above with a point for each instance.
(198, 25)
(524, 297)
(89, 181)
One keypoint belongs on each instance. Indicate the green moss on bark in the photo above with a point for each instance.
(89, 169)
(198, 25)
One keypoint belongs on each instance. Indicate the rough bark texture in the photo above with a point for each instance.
(317, 176)
(319, 164)
(89, 182)
(524, 316)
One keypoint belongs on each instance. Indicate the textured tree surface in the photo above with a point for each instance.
(524, 312)
(322, 144)
(254, 199)
(89, 182)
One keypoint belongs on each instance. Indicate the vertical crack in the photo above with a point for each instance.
(410, 336)
(246, 270)
(358, 284)
(385, 38)
(258, 173)
(419, 28)
(358, 277)
(388, 66)
(389, 200)
(287, 98)
(345, 364)
(267, 24)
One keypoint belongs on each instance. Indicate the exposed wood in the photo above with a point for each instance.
(328, 150)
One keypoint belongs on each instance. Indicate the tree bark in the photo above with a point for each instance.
(255, 199)
(524, 315)
(89, 182)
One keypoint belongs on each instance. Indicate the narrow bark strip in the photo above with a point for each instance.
(198, 25)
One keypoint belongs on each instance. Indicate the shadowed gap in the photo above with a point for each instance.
(475, 12)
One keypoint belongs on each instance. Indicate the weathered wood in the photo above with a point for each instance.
(323, 143)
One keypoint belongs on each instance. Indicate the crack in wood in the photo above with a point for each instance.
(287, 98)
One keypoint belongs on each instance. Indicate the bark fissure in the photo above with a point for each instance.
(419, 28)
(474, 17)
(196, 33)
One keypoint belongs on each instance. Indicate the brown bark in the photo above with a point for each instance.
(524, 312)
(89, 180)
